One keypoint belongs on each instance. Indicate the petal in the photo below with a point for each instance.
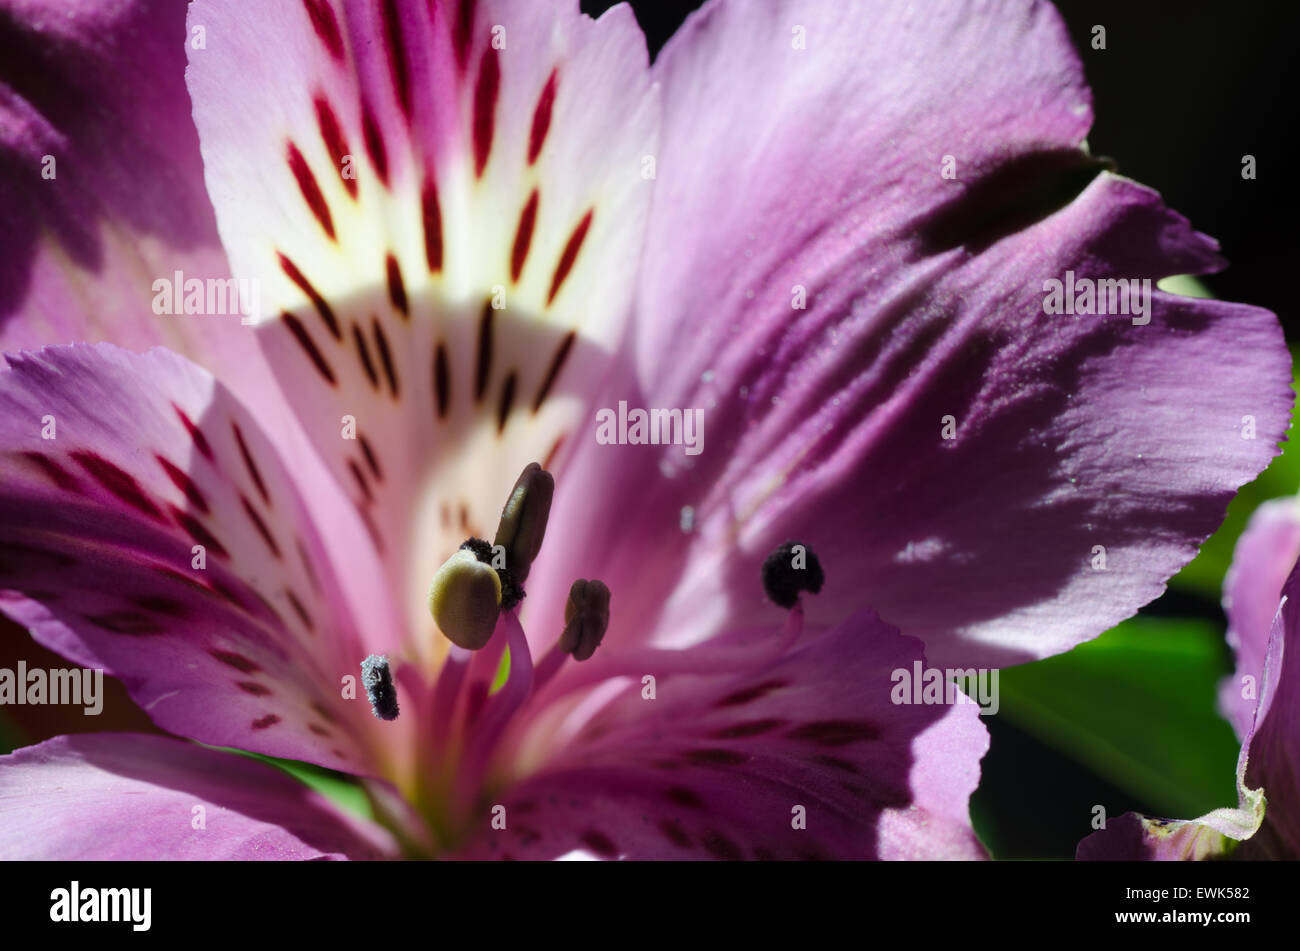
(715, 765)
(428, 163)
(97, 87)
(1266, 821)
(119, 472)
(1265, 554)
(127, 796)
(818, 170)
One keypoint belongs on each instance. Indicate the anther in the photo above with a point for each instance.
(790, 569)
(377, 678)
(523, 520)
(586, 618)
(465, 599)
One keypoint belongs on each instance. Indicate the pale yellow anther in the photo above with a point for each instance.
(465, 600)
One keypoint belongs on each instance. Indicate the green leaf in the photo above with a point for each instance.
(1136, 706)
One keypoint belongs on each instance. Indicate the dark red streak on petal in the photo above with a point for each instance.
(375, 147)
(486, 91)
(198, 532)
(363, 352)
(260, 526)
(249, 464)
(507, 401)
(542, 118)
(569, 256)
(441, 379)
(397, 56)
(53, 471)
(432, 212)
(117, 482)
(462, 30)
(237, 661)
(308, 345)
(311, 192)
(385, 355)
(484, 351)
(325, 25)
(183, 482)
(263, 722)
(557, 364)
(396, 287)
(322, 306)
(331, 134)
(523, 237)
(196, 434)
(371, 459)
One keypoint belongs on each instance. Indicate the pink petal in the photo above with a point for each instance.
(820, 168)
(127, 796)
(148, 459)
(1265, 554)
(476, 167)
(715, 765)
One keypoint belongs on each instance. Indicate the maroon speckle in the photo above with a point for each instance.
(196, 434)
(183, 482)
(553, 373)
(441, 379)
(599, 843)
(307, 565)
(311, 192)
(569, 255)
(507, 401)
(542, 118)
(160, 605)
(331, 134)
(375, 147)
(363, 351)
(249, 464)
(116, 481)
(684, 797)
(834, 732)
(462, 30)
(721, 847)
(385, 355)
(251, 686)
(523, 237)
(53, 471)
(299, 610)
(432, 213)
(750, 694)
(318, 729)
(325, 25)
(261, 723)
(126, 622)
(396, 287)
(397, 56)
(752, 728)
(308, 345)
(485, 106)
(484, 351)
(198, 532)
(674, 833)
(714, 757)
(371, 459)
(362, 483)
(322, 306)
(260, 525)
(237, 661)
(326, 713)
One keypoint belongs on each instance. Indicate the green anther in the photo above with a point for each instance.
(465, 600)
(523, 520)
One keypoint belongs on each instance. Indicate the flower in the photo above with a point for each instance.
(1261, 701)
(473, 226)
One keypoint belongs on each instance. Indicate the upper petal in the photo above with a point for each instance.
(150, 528)
(125, 796)
(444, 206)
(869, 345)
(805, 757)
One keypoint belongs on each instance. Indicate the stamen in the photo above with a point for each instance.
(586, 618)
(377, 678)
(465, 599)
(523, 520)
(790, 569)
